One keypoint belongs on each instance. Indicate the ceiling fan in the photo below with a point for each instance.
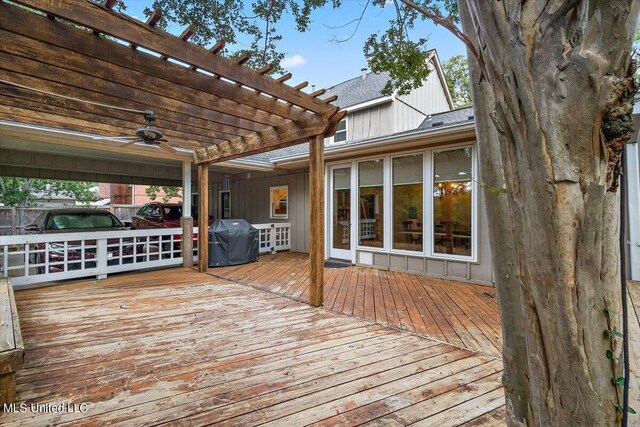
(147, 135)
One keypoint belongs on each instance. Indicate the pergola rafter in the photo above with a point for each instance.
(98, 75)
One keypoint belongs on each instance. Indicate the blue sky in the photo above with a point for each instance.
(315, 57)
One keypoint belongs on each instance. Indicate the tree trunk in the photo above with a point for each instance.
(553, 100)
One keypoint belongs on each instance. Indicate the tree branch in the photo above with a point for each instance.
(448, 24)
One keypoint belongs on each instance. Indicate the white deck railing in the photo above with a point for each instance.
(38, 258)
(274, 237)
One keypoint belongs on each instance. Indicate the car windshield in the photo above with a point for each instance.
(172, 212)
(82, 220)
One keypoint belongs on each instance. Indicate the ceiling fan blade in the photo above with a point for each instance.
(135, 141)
(167, 147)
(114, 138)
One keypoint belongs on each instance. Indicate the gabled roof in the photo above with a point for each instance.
(359, 90)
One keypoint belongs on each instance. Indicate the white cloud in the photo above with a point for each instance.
(293, 61)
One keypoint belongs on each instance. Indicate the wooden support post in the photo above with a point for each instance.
(203, 217)
(186, 222)
(316, 220)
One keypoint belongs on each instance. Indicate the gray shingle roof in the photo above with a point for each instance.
(358, 90)
(447, 118)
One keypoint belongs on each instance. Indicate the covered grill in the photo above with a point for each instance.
(232, 242)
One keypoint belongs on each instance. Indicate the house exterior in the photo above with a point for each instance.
(401, 191)
(632, 187)
(130, 194)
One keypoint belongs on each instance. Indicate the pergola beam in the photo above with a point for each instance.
(98, 18)
(99, 75)
(198, 129)
(269, 139)
(152, 22)
(217, 48)
(112, 127)
(33, 26)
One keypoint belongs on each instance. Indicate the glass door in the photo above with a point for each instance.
(340, 230)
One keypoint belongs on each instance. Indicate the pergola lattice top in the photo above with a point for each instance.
(213, 105)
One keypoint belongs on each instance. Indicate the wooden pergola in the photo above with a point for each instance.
(69, 64)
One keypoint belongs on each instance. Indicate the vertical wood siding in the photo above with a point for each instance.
(250, 201)
(370, 122)
(430, 98)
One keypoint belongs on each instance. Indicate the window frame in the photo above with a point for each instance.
(272, 214)
(474, 206)
(427, 205)
(385, 203)
(424, 154)
(332, 140)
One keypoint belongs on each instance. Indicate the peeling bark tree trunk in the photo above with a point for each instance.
(552, 99)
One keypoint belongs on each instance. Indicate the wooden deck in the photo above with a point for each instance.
(462, 314)
(184, 348)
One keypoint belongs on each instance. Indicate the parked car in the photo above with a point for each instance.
(164, 215)
(72, 220)
(161, 215)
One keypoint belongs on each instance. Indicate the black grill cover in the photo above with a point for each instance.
(232, 242)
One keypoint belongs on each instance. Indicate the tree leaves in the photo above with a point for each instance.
(26, 191)
(153, 191)
(244, 27)
(456, 71)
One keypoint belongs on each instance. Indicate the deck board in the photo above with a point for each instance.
(185, 348)
(462, 314)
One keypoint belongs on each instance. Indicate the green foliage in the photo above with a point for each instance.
(619, 408)
(23, 191)
(613, 334)
(494, 190)
(239, 23)
(456, 71)
(253, 27)
(153, 191)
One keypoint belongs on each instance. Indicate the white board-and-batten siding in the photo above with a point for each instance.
(410, 110)
(250, 201)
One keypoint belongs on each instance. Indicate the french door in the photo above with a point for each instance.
(340, 223)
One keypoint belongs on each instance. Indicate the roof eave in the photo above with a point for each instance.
(381, 142)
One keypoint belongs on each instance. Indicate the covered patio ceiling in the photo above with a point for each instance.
(71, 76)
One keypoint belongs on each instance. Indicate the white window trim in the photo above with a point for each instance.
(273, 215)
(474, 208)
(346, 130)
(421, 253)
(428, 244)
(385, 200)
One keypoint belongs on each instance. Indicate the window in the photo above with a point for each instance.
(407, 202)
(83, 220)
(280, 202)
(452, 202)
(341, 132)
(371, 196)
